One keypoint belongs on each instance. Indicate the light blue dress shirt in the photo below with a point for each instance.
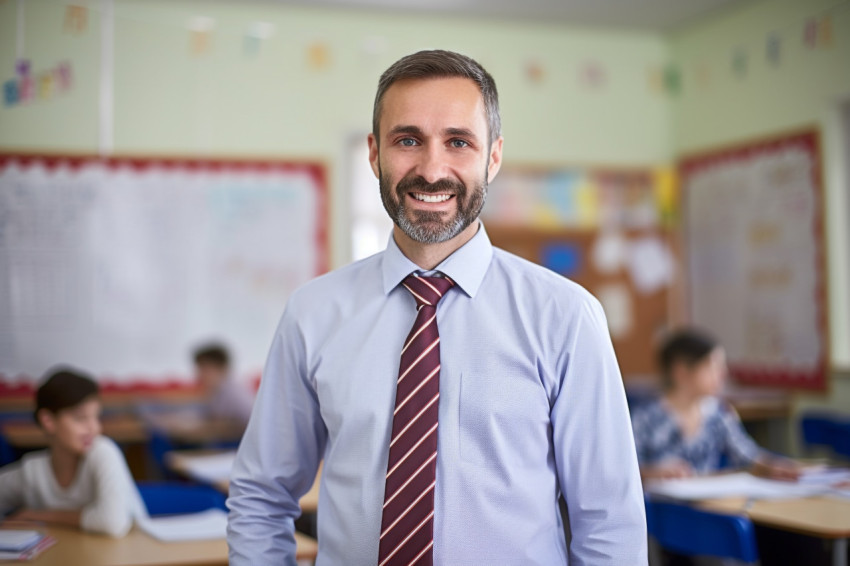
(531, 406)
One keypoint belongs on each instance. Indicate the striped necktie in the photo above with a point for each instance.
(407, 524)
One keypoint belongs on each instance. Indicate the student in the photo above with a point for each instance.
(81, 480)
(225, 399)
(689, 430)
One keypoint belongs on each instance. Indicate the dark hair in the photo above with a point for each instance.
(441, 64)
(689, 346)
(65, 388)
(214, 354)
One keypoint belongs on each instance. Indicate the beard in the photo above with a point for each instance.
(432, 227)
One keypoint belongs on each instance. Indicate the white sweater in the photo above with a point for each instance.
(103, 488)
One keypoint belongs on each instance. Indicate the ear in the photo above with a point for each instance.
(495, 159)
(47, 420)
(373, 154)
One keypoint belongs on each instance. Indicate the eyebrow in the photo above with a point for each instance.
(417, 131)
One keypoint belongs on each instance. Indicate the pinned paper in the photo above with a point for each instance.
(740, 63)
(534, 71)
(650, 264)
(200, 34)
(665, 189)
(703, 75)
(318, 56)
(562, 258)
(617, 304)
(672, 80)
(655, 80)
(609, 252)
(810, 33)
(593, 75)
(76, 18)
(773, 49)
(825, 32)
(255, 35)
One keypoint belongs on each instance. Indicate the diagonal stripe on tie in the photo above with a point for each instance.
(407, 521)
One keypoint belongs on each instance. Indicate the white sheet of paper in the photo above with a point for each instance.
(211, 468)
(209, 524)
(733, 485)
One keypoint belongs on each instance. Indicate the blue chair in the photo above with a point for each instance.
(171, 498)
(827, 429)
(686, 530)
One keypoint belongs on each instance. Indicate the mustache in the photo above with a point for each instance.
(420, 185)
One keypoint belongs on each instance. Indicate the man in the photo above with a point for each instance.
(224, 398)
(453, 408)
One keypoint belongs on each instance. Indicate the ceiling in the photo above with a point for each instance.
(646, 15)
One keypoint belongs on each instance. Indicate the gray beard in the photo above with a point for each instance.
(429, 227)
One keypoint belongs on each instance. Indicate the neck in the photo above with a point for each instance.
(429, 256)
(682, 401)
(64, 464)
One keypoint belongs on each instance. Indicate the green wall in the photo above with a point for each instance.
(806, 88)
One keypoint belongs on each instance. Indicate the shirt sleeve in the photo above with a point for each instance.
(739, 445)
(11, 488)
(595, 449)
(111, 511)
(278, 457)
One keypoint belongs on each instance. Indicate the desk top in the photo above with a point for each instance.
(138, 549)
(120, 428)
(821, 517)
(180, 461)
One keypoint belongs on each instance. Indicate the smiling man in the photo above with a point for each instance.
(455, 392)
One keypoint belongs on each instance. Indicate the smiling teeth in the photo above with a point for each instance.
(431, 198)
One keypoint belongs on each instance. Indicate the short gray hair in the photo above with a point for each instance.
(441, 64)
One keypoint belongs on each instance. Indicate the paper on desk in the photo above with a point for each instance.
(733, 485)
(210, 468)
(209, 524)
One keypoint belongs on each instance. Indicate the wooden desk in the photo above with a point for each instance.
(120, 428)
(190, 428)
(180, 460)
(820, 517)
(76, 548)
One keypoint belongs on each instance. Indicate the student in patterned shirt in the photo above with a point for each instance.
(690, 430)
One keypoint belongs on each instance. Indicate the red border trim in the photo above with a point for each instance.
(315, 169)
(815, 379)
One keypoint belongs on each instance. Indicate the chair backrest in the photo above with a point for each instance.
(827, 429)
(169, 498)
(695, 532)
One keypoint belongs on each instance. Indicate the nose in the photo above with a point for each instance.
(432, 164)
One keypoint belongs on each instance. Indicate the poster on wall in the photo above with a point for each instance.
(121, 266)
(756, 266)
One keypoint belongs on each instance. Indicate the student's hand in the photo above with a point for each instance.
(26, 516)
(777, 468)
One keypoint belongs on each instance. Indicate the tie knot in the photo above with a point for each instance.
(427, 290)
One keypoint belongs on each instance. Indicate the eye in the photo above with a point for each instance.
(459, 144)
(407, 142)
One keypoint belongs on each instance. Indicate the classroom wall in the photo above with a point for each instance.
(306, 90)
(721, 104)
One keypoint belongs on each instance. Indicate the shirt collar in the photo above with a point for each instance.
(466, 266)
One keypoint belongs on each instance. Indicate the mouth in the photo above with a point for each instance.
(431, 197)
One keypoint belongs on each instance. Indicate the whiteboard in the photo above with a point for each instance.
(122, 266)
(755, 244)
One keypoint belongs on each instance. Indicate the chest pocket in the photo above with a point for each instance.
(504, 420)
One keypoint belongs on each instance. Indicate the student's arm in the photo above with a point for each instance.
(278, 457)
(11, 488)
(595, 451)
(63, 518)
(744, 450)
(111, 512)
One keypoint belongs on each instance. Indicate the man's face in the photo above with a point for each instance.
(433, 160)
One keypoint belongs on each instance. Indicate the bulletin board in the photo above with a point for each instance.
(756, 258)
(121, 266)
(611, 230)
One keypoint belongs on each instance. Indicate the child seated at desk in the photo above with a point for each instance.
(689, 430)
(225, 399)
(82, 479)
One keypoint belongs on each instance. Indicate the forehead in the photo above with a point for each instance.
(434, 103)
(91, 403)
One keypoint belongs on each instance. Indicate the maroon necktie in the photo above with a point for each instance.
(407, 524)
